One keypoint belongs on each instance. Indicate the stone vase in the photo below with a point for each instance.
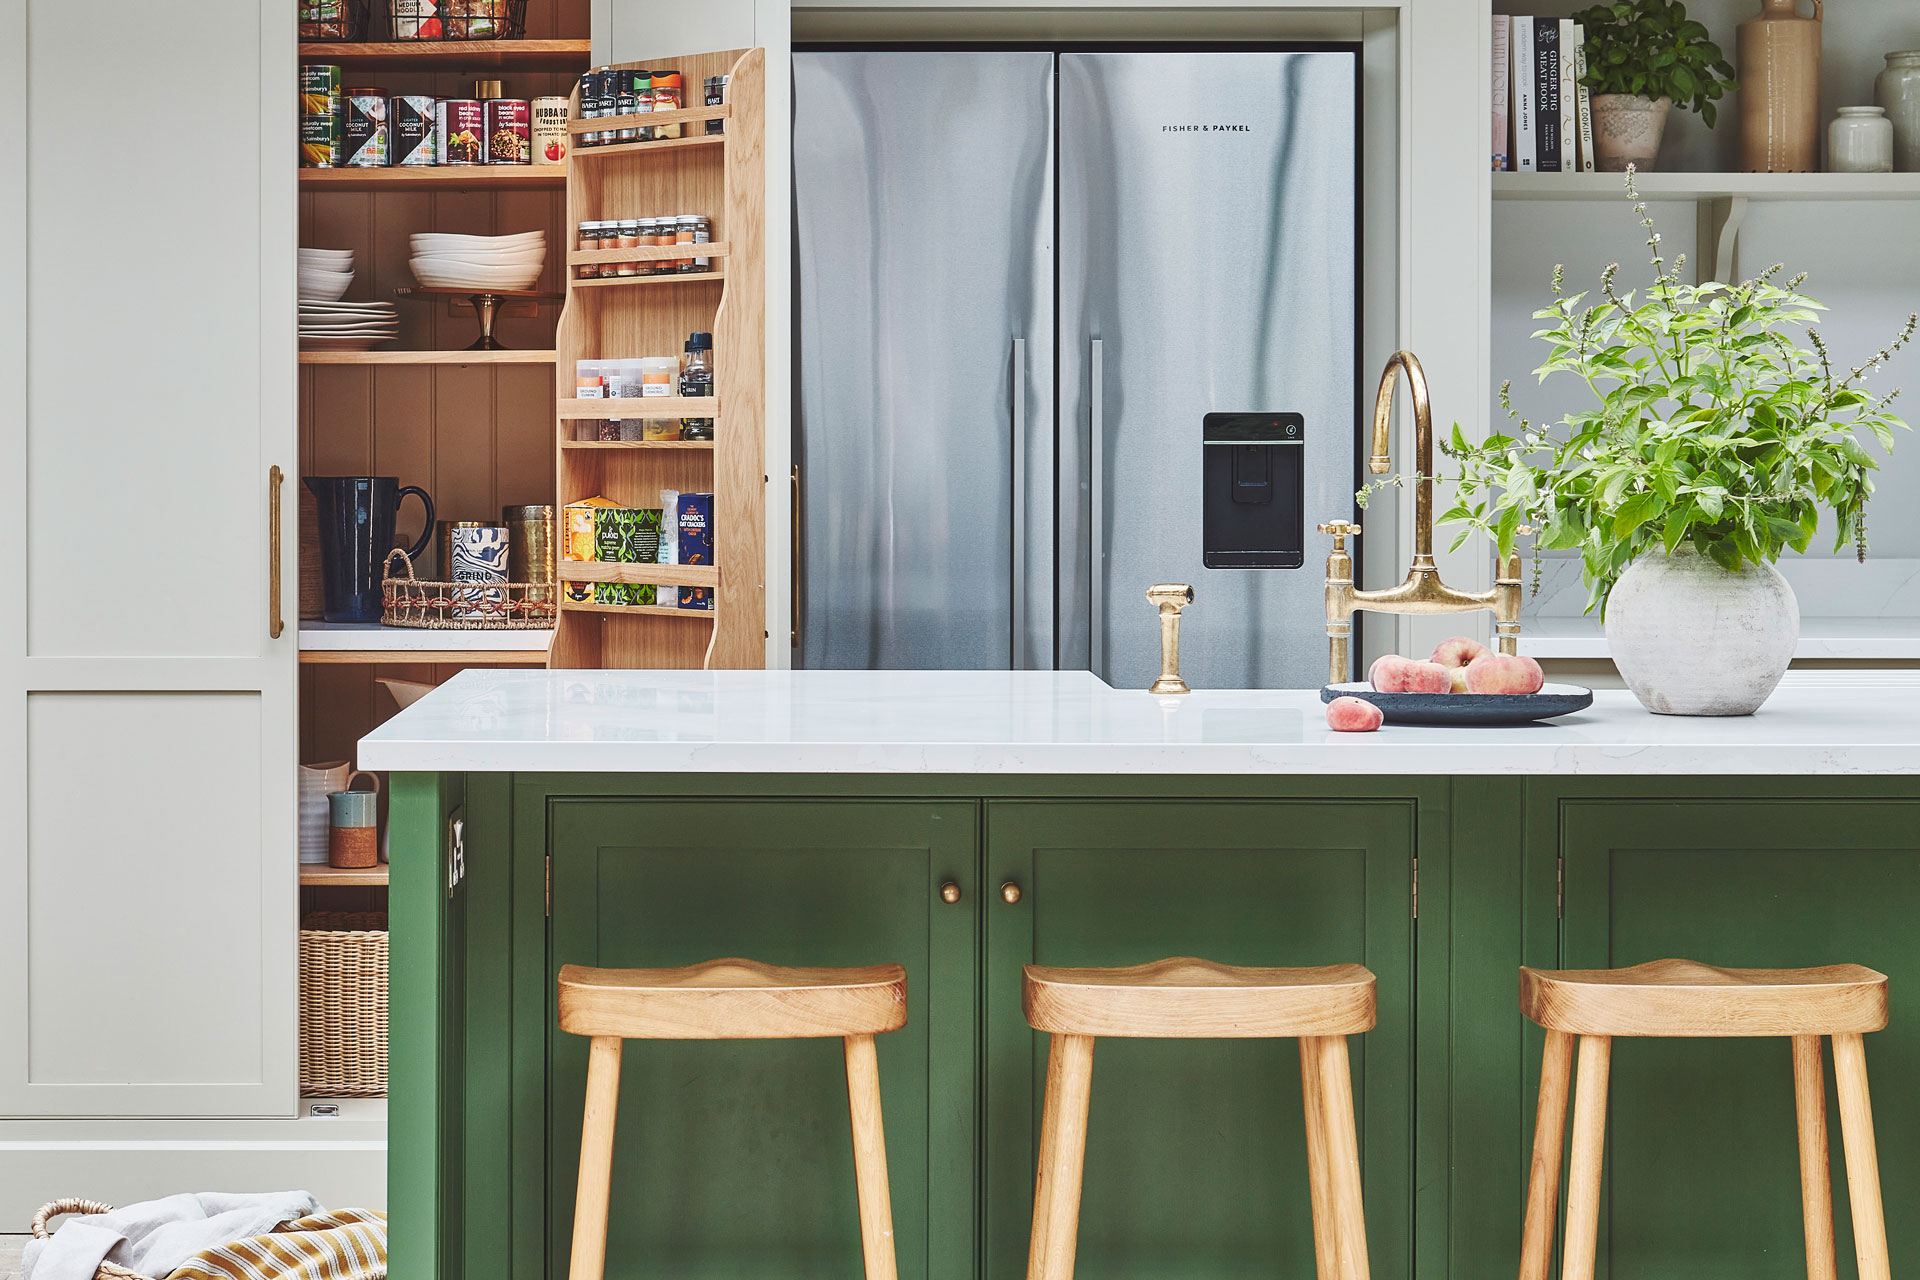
(1860, 140)
(1627, 130)
(1779, 52)
(1692, 639)
(1897, 89)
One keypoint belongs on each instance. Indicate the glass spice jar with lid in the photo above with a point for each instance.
(628, 238)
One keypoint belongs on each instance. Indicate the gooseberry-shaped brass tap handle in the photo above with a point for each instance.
(1171, 598)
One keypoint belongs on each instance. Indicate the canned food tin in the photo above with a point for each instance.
(549, 130)
(509, 131)
(320, 87)
(364, 139)
(460, 131)
(320, 141)
(412, 130)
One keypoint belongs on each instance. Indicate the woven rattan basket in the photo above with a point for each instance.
(57, 1208)
(463, 606)
(343, 1004)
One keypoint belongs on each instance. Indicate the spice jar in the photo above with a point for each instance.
(666, 97)
(702, 234)
(627, 102)
(663, 238)
(628, 237)
(716, 96)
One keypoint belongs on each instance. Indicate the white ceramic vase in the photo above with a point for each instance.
(1898, 90)
(1860, 140)
(1627, 131)
(1692, 639)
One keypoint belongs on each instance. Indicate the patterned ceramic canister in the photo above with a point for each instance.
(479, 555)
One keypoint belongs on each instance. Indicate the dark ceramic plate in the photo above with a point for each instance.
(1487, 709)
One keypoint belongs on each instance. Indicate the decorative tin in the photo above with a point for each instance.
(480, 556)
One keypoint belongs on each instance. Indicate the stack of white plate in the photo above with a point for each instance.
(479, 263)
(325, 274)
(347, 326)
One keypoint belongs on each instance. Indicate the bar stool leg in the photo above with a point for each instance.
(1589, 1138)
(1816, 1179)
(1063, 1152)
(1319, 1173)
(590, 1202)
(1343, 1159)
(1863, 1164)
(1549, 1142)
(870, 1158)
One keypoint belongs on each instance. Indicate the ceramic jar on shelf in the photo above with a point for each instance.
(1860, 140)
(1897, 90)
(1780, 89)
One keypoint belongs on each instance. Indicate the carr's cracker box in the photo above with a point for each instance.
(626, 535)
(576, 541)
(694, 521)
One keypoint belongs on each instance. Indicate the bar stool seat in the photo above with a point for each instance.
(1683, 998)
(731, 1000)
(1185, 998)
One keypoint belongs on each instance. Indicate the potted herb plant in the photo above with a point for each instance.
(1721, 429)
(1643, 56)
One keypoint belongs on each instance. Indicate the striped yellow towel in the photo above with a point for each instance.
(349, 1244)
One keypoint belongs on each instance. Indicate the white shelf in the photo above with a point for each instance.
(1845, 639)
(357, 637)
(1708, 186)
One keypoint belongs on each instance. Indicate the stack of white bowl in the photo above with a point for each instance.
(328, 324)
(442, 260)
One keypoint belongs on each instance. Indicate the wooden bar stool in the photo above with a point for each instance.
(1199, 1000)
(731, 1000)
(1675, 998)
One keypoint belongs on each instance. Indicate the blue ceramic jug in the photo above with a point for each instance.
(356, 532)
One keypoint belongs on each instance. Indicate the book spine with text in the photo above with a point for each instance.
(1569, 96)
(1546, 94)
(1502, 121)
(1584, 98)
(1521, 86)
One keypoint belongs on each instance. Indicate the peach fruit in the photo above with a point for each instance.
(1459, 678)
(1353, 715)
(1457, 652)
(1394, 674)
(1503, 673)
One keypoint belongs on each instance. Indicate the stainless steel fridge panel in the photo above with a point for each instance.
(1208, 262)
(923, 199)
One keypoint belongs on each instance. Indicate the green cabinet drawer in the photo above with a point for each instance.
(1196, 1158)
(733, 1159)
(1702, 1165)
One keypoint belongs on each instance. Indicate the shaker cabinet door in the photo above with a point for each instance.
(733, 1159)
(147, 362)
(1196, 1158)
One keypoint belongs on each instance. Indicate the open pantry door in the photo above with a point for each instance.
(147, 699)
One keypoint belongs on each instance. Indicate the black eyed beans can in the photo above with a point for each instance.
(411, 126)
(509, 131)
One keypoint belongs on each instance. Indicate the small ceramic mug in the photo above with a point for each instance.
(353, 838)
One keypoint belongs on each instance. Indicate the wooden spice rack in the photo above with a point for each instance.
(721, 176)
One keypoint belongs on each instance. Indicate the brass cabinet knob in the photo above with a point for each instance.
(949, 893)
(1010, 892)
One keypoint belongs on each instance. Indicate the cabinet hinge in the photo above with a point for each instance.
(1560, 889)
(1416, 888)
(549, 907)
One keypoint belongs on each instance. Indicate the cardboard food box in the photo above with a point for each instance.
(626, 535)
(694, 524)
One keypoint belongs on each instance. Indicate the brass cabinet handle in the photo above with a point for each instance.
(949, 893)
(1010, 892)
(274, 623)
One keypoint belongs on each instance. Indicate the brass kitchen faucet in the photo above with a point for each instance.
(1422, 592)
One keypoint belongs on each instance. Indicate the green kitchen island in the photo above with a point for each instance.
(648, 818)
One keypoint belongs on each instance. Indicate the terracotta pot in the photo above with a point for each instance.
(1627, 130)
(1691, 639)
(1779, 54)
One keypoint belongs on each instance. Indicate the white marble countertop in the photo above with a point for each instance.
(1033, 722)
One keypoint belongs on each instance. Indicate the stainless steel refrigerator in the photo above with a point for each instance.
(1070, 324)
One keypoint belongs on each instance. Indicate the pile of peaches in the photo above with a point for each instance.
(1458, 665)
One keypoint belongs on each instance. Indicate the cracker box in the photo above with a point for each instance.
(694, 521)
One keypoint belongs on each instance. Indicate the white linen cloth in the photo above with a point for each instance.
(156, 1236)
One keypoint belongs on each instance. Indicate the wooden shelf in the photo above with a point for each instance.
(519, 177)
(1708, 186)
(613, 149)
(426, 357)
(626, 407)
(678, 277)
(350, 642)
(452, 55)
(641, 120)
(642, 610)
(425, 657)
(637, 444)
(660, 575)
(342, 878)
(648, 253)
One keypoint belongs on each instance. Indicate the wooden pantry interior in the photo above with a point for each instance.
(481, 430)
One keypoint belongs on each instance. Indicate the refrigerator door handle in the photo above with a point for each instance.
(1017, 646)
(1096, 495)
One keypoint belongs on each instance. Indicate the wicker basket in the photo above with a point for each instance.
(343, 1004)
(57, 1208)
(464, 606)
